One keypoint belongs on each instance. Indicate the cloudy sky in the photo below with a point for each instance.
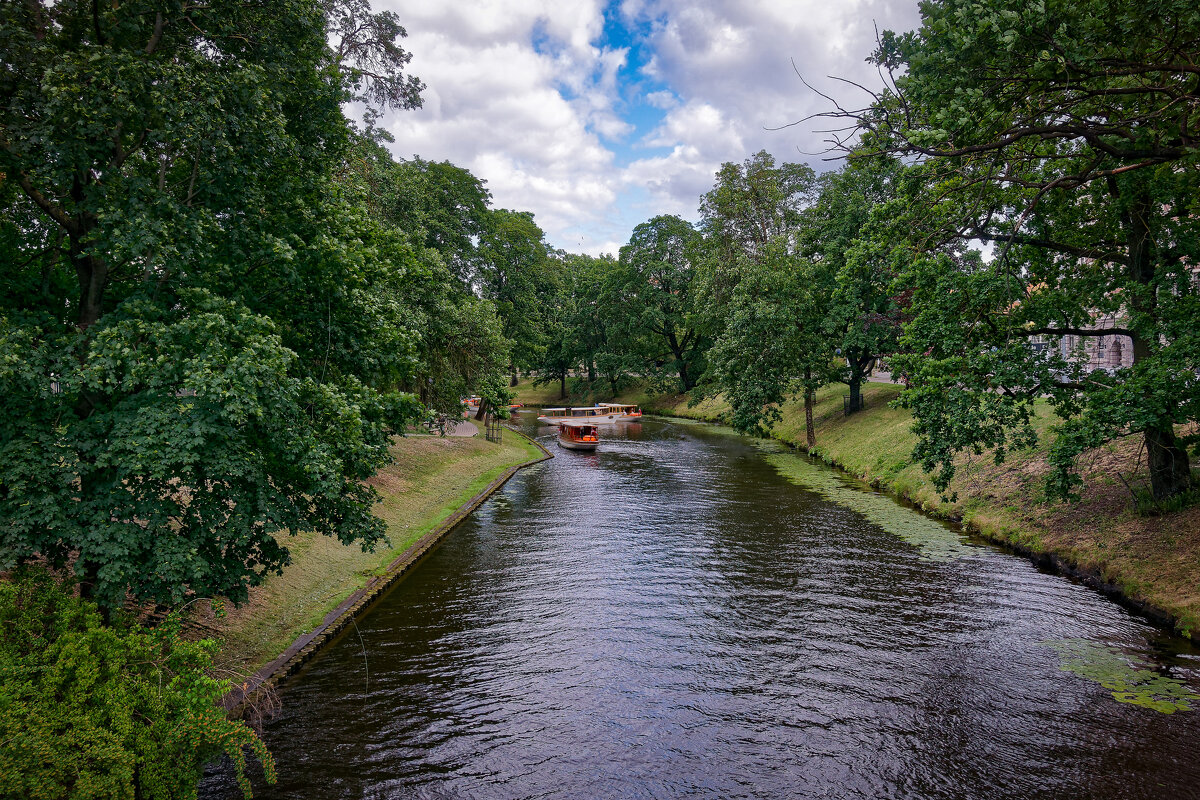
(599, 114)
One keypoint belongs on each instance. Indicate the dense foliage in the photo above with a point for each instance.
(653, 295)
(92, 711)
(219, 301)
(1064, 134)
(195, 353)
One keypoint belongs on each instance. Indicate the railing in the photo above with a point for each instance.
(493, 431)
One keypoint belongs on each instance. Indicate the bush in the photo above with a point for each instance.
(89, 711)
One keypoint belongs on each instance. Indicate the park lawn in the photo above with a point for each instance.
(432, 477)
(548, 394)
(1151, 559)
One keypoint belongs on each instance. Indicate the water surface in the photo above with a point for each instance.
(687, 613)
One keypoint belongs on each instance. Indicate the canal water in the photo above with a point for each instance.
(688, 613)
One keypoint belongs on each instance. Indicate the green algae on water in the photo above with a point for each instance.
(934, 540)
(1128, 681)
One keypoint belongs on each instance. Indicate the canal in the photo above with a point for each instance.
(688, 613)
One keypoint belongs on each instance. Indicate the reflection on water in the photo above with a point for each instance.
(682, 614)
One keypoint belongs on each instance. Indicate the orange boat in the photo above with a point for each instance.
(578, 436)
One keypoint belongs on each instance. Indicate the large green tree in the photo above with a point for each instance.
(1064, 134)
(849, 237)
(513, 267)
(593, 341)
(652, 291)
(448, 205)
(765, 299)
(773, 342)
(426, 219)
(753, 204)
(561, 352)
(188, 328)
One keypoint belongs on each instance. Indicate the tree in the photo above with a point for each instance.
(587, 334)
(848, 236)
(1065, 134)
(754, 203)
(562, 351)
(513, 260)
(425, 222)
(773, 342)
(653, 289)
(188, 347)
(495, 395)
(769, 305)
(366, 50)
(447, 207)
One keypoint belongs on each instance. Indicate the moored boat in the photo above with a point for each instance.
(593, 414)
(625, 410)
(578, 436)
(600, 413)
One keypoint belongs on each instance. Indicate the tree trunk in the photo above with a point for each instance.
(1170, 470)
(680, 362)
(562, 386)
(855, 392)
(810, 435)
(482, 412)
(512, 380)
(591, 369)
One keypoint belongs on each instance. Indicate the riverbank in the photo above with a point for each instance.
(1151, 563)
(432, 477)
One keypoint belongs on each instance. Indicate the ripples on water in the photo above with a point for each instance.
(673, 616)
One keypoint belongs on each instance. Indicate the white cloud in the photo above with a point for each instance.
(662, 99)
(496, 106)
(541, 125)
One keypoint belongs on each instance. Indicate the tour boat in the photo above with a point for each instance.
(578, 436)
(603, 413)
(593, 414)
(626, 410)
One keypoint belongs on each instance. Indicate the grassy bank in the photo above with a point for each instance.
(1151, 560)
(431, 478)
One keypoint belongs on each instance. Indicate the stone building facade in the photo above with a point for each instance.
(1099, 352)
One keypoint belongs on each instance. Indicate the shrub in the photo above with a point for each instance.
(91, 711)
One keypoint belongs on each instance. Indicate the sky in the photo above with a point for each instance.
(597, 115)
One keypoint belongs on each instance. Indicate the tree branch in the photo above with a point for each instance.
(159, 24)
(55, 212)
(1077, 332)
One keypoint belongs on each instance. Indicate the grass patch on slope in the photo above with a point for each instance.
(432, 478)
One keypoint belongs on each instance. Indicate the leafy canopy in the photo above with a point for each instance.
(1064, 134)
(88, 710)
(199, 333)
